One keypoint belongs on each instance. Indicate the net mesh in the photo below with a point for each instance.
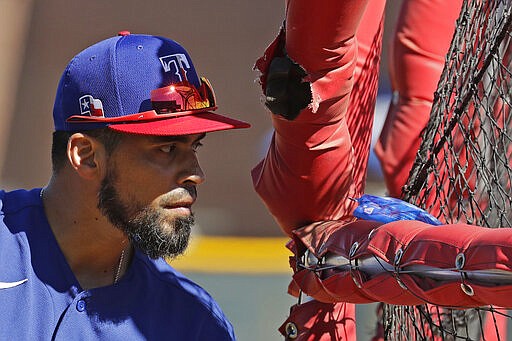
(462, 172)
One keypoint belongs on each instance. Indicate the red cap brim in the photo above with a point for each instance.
(203, 122)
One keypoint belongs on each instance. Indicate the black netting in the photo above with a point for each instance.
(462, 172)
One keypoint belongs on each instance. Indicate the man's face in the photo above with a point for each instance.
(149, 189)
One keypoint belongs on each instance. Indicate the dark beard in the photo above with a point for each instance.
(144, 225)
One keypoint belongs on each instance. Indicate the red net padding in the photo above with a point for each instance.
(404, 263)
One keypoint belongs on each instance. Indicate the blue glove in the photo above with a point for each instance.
(387, 209)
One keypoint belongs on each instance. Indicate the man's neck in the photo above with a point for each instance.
(96, 251)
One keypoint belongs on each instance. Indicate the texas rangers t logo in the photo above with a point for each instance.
(175, 63)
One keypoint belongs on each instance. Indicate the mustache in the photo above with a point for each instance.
(180, 196)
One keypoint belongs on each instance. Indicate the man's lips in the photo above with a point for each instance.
(179, 205)
(183, 199)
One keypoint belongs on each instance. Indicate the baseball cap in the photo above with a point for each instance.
(138, 84)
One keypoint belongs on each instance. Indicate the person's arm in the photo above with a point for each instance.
(308, 173)
(313, 166)
(417, 56)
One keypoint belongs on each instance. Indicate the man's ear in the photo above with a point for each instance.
(85, 154)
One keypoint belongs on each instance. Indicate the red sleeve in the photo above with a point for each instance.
(309, 171)
(416, 61)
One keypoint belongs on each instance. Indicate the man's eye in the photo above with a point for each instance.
(168, 148)
(197, 146)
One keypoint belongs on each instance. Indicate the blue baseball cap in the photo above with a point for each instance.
(138, 84)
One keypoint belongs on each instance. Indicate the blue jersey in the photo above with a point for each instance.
(40, 298)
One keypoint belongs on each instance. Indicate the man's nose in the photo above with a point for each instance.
(193, 173)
